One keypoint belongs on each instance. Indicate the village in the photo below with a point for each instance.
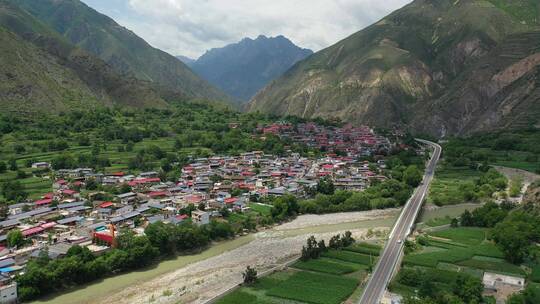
(73, 215)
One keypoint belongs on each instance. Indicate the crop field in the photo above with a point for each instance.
(240, 297)
(466, 236)
(459, 245)
(499, 267)
(512, 159)
(326, 265)
(455, 251)
(315, 288)
(446, 188)
(350, 256)
(365, 248)
(326, 280)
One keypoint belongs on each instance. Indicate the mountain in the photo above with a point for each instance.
(119, 47)
(435, 66)
(186, 60)
(41, 72)
(243, 68)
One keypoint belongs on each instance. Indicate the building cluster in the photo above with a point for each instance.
(66, 217)
(348, 140)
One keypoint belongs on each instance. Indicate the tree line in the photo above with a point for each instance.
(43, 275)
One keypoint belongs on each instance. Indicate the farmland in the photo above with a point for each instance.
(458, 184)
(454, 255)
(330, 279)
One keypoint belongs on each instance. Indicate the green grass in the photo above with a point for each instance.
(527, 11)
(492, 266)
(488, 250)
(444, 244)
(446, 188)
(453, 255)
(432, 259)
(350, 256)
(326, 265)
(239, 296)
(365, 248)
(315, 288)
(463, 235)
(261, 209)
(440, 221)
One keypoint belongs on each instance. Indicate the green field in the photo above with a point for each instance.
(260, 208)
(326, 265)
(241, 297)
(350, 256)
(326, 280)
(315, 288)
(448, 184)
(365, 248)
(455, 251)
(493, 266)
(467, 236)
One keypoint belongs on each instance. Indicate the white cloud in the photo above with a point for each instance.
(189, 27)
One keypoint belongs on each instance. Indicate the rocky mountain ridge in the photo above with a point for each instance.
(439, 67)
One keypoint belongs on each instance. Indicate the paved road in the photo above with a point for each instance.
(392, 254)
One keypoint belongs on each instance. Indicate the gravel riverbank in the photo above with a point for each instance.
(198, 282)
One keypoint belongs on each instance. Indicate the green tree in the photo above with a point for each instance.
(412, 176)
(468, 288)
(466, 218)
(512, 239)
(3, 167)
(14, 191)
(15, 238)
(13, 164)
(326, 186)
(249, 275)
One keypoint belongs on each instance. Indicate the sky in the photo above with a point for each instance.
(190, 27)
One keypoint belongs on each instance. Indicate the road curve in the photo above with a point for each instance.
(392, 253)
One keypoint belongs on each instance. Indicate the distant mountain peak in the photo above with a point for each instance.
(241, 69)
(187, 60)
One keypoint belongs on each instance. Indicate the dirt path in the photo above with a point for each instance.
(198, 282)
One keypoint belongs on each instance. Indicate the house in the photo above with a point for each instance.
(125, 217)
(501, 286)
(150, 174)
(279, 191)
(127, 198)
(74, 220)
(200, 217)
(8, 293)
(41, 165)
(70, 193)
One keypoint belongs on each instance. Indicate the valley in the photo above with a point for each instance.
(350, 152)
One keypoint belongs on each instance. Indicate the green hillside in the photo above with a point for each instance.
(409, 68)
(526, 11)
(40, 72)
(122, 49)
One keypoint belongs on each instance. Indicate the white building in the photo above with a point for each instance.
(200, 217)
(41, 165)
